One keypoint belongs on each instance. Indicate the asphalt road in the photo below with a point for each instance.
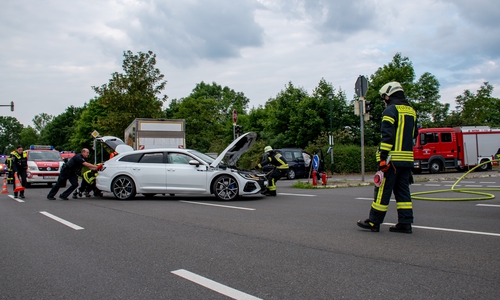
(302, 244)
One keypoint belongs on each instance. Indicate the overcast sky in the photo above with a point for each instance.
(52, 52)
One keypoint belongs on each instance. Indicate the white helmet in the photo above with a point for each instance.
(390, 88)
(268, 148)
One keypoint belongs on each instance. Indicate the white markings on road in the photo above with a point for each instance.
(218, 205)
(214, 286)
(488, 205)
(487, 182)
(69, 224)
(432, 184)
(298, 195)
(17, 199)
(451, 230)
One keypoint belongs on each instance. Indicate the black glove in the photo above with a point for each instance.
(257, 167)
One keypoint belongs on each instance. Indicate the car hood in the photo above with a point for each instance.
(237, 148)
(115, 143)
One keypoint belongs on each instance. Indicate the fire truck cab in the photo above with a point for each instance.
(438, 149)
(44, 164)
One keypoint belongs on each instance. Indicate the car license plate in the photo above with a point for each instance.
(49, 177)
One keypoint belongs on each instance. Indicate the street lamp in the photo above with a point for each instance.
(330, 137)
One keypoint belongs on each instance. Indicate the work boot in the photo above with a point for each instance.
(271, 193)
(21, 195)
(75, 195)
(15, 195)
(401, 227)
(367, 224)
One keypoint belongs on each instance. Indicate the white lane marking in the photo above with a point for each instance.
(217, 205)
(473, 185)
(488, 205)
(487, 182)
(18, 200)
(69, 224)
(432, 184)
(493, 186)
(298, 195)
(213, 285)
(371, 199)
(418, 184)
(451, 230)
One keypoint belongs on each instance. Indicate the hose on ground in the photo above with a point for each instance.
(479, 193)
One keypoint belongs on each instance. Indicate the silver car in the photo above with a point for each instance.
(181, 171)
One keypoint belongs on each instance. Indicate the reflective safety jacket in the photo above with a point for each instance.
(276, 159)
(19, 161)
(90, 176)
(398, 129)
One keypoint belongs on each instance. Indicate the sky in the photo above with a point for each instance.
(52, 52)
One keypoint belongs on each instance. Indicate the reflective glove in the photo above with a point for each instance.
(99, 167)
(383, 166)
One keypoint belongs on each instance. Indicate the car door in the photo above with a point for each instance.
(150, 172)
(183, 177)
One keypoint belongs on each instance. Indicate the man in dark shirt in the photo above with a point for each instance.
(70, 171)
(19, 167)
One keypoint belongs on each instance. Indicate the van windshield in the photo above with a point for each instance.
(44, 156)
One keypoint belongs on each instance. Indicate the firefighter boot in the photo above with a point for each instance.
(401, 227)
(15, 195)
(75, 195)
(367, 224)
(21, 195)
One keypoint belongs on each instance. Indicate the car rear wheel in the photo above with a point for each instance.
(225, 188)
(123, 187)
(291, 174)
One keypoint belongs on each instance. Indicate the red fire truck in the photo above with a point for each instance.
(438, 149)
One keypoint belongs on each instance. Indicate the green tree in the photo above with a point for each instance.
(476, 109)
(60, 130)
(10, 134)
(29, 136)
(41, 120)
(134, 94)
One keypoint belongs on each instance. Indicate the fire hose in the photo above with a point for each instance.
(479, 193)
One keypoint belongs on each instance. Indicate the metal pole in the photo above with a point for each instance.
(362, 125)
(330, 97)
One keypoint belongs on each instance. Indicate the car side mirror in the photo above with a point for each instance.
(194, 162)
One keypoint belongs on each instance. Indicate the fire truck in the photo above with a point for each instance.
(44, 164)
(438, 149)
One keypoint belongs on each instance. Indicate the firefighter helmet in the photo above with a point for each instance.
(268, 148)
(390, 88)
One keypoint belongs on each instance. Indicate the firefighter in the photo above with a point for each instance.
(280, 168)
(10, 171)
(88, 184)
(19, 166)
(398, 129)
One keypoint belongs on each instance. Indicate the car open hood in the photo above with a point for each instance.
(115, 143)
(237, 148)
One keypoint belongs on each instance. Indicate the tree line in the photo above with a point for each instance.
(293, 118)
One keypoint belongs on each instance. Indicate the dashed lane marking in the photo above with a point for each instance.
(62, 221)
(451, 230)
(217, 205)
(18, 200)
(298, 195)
(213, 285)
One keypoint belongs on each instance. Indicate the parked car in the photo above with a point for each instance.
(179, 171)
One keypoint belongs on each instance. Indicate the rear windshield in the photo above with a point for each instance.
(44, 156)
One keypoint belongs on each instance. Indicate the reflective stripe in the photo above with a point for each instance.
(379, 207)
(404, 205)
(388, 119)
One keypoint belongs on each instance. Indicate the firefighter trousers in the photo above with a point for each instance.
(395, 180)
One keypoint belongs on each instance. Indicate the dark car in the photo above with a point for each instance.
(299, 162)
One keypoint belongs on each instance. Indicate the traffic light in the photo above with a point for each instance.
(238, 130)
(368, 107)
(356, 108)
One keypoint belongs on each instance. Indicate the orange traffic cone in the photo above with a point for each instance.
(17, 184)
(4, 188)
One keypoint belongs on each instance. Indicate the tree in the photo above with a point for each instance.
(29, 136)
(41, 120)
(59, 131)
(133, 94)
(477, 109)
(10, 134)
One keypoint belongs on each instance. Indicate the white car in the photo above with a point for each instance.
(181, 171)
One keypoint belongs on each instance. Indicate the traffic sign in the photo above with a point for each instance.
(361, 86)
(235, 115)
(95, 134)
(316, 162)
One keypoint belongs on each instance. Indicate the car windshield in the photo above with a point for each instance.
(2, 160)
(44, 156)
(202, 156)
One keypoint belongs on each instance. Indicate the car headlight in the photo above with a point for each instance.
(249, 176)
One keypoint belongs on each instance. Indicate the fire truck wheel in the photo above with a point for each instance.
(435, 167)
(485, 166)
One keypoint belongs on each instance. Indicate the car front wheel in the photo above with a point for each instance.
(225, 188)
(123, 187)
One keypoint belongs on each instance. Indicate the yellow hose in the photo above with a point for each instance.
(473, 191)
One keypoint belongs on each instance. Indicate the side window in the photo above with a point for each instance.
(152, 158)
(179, 158)
(298, 155)
(288, 155)
(131, 157)
(446, 137)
